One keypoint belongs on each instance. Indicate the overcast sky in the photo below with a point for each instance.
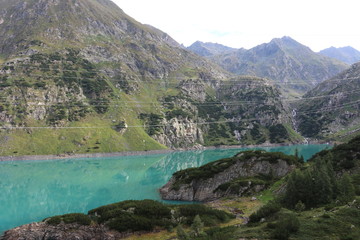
(317, 24)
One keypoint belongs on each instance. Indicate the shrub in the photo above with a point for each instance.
(209, 216)
(269, 209)
(181, 234)
(79, 218)
(218, 233)
(285, 226)
(130, 222)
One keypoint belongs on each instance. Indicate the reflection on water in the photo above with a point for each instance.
(31, 191)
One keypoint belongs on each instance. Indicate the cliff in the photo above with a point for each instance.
(246, 172)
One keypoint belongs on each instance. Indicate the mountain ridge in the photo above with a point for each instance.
(101, 82)
(347, 54)
(287, 62)
(207, 49)
(331, 109)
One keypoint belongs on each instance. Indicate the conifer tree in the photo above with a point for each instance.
(181, 234)
(197, 227)
(346, 189)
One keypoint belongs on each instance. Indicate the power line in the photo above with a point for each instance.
(184, 124)
(93, 103)
(207, 102)
(183, 78)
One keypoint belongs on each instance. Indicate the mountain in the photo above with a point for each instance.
(347, 54)
(209, 49)
(81, 76)
(283, 60)
(331, 109)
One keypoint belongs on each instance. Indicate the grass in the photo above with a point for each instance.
(76, 140)
(316, 224)
(161, 235)
(343, 135)
(268, 194)
(245, 204)
(341, 223)
(294, 136)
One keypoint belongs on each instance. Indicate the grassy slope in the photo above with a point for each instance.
(102, 138)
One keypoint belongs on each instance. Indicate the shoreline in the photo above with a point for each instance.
(140, 153)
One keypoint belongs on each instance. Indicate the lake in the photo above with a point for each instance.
(33, 190)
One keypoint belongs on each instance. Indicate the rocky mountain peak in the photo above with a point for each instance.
(58, 22)
(285, 60)
(209, 49)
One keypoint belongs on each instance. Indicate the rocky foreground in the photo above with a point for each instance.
(42, 230)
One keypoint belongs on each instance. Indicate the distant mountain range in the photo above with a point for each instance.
(283, 60)
(209, 49)
(345, 54)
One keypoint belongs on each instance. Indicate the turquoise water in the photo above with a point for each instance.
(33, 190)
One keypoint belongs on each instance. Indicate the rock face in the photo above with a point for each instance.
(332, 106)
(193, 185)
(180, 133)
(42, 230)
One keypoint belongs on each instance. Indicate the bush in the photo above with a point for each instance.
(284, 227)
(79, 218)
(144, 208)
(209, 216)
(219, 233)
(269, 209)
(130, 222)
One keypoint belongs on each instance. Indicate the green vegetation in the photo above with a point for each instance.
(209, 216)
(78, 218)
(269, 209)
(325, 115)
(278, 133)
(146, 215)
(209, 170)
(152, 122)
(318, 202)
(234, 186)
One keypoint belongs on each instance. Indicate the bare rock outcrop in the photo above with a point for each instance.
(42, 230)
(232, 176)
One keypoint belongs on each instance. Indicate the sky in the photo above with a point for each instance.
(318, 24)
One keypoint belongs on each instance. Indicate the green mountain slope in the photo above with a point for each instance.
(331, 109)
(82, 76)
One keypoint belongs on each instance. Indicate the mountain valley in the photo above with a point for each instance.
(81, 78)
(92, 79)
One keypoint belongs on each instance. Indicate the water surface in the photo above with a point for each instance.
(33, 190)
